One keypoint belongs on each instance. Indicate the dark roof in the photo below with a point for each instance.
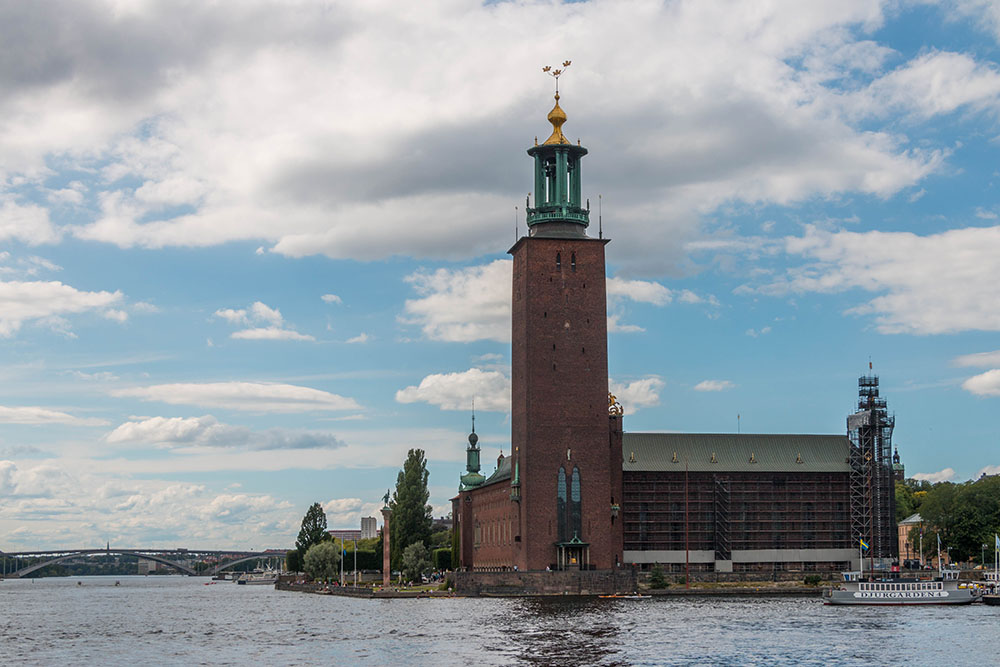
(733, 452)
(501, 473)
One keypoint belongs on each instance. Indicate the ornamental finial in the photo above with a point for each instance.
(557, 116)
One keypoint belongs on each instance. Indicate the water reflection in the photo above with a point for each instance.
(562, 631)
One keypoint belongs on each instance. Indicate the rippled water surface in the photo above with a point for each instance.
(180, 620)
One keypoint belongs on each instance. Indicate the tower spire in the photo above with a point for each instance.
(559, 210)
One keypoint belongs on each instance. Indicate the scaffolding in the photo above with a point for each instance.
(721, 519)
(872, 489)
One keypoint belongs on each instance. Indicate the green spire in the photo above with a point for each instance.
(472, 478)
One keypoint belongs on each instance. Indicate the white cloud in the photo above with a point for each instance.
(260, 313)
(22, 302)
(232, 316)
(988, 470)
(984, 384)
(28, 223)
(269, 333)
(932, 84)
(714, 385)
(946, 475)
(978, 359)
(642, 393)
(642, 291)
(360, 338)
(614, 326)
(462, 305)
(331, 298)
(941, 283)
(218, 138)
(757, 333)
(207, 431)
(244, 396)
(38, 415)
(347, 512)
(456, 391)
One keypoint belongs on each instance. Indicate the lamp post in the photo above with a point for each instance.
(982, 557)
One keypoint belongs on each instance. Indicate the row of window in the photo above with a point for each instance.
(572, 261)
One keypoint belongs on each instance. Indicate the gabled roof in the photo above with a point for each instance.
(735, 452)
(501, 473)
(912, 519)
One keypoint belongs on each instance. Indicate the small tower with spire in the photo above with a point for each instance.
(472, 477)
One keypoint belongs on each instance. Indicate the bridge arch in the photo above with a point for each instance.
(85, 552)
(225, 566)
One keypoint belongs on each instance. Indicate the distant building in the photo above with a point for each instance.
(369, 527)
(909, 550)
(147, 566)
(441, 523)
(344, 534)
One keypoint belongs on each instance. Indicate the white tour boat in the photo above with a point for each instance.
(870, 590)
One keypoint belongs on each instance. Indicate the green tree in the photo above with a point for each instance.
(293, 561)
(442, 559)
(411, 515)
(313, 529)
(322, 561)
(416, 561)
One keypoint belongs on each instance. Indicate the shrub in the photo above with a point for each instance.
(656, 578)
(812, 580)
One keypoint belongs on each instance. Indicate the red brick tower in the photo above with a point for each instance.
(567, 466)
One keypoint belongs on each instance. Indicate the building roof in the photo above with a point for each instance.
(735, 452)
(912, 519)
(501, 473)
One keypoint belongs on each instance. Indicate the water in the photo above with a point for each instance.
(179, 620)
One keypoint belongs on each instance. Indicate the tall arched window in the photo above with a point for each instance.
(561, 505)
(575, 513)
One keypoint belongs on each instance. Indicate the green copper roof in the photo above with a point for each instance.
(501, 473)
(732, 452)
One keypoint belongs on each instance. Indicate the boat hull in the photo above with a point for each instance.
(849, 597)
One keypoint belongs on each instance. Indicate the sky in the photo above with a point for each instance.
(251, 253)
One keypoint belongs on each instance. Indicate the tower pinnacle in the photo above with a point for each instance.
(558, 209)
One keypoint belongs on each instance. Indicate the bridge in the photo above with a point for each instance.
(169, 557)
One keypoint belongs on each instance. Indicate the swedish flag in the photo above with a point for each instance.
(864, 545)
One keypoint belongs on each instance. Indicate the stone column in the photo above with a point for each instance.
(386, 566)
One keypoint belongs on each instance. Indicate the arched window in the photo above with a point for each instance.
(558, 260)
(561, 505)
(575, 513)
(572, 261)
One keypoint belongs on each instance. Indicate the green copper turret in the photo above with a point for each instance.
(558, 210)
(472, 477)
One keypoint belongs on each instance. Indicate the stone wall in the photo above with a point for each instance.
(590, 582)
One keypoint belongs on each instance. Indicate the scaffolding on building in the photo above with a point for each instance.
(872, 489)
(723, 550)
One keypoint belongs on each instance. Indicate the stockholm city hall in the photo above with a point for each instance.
(552, 504)
(577, 494)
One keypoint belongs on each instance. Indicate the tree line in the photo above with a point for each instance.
(415, 549)
(966, 515)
